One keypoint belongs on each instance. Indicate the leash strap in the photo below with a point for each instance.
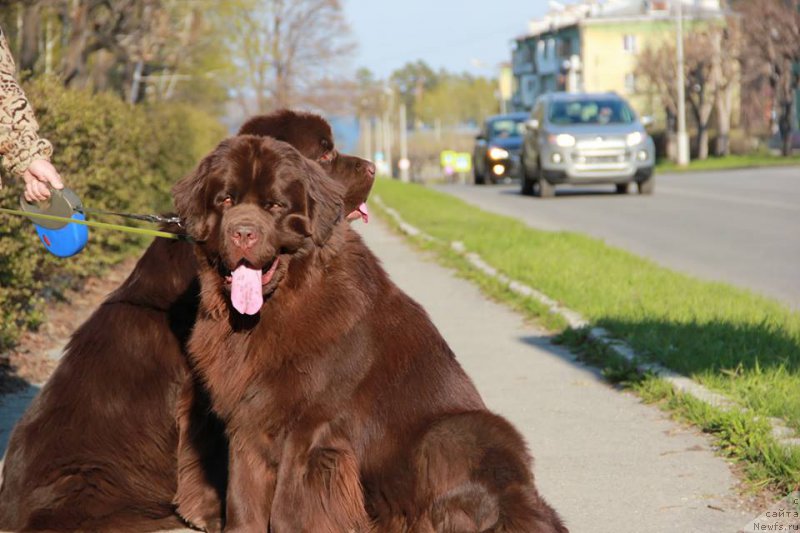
(92, 223)
(155, 219)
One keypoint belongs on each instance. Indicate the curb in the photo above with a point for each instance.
(782, 434)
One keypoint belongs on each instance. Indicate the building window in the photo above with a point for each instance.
(551, 48)
(629, 43)
(565, 48)
(630, 83)
(540, 49)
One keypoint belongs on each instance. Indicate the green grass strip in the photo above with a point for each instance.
(731, 340)
(730, 162)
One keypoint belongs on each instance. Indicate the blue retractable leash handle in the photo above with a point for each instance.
(61, 238)
(63, 229)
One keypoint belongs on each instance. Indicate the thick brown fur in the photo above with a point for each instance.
(344, 407)
(96, 450)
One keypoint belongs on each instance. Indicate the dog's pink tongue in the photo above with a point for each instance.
(246, 293)
(364, 212)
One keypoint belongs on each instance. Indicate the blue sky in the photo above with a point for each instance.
(459, 35)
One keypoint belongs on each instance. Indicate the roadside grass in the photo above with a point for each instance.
(730, 162)
(733, 341)
(740, 436)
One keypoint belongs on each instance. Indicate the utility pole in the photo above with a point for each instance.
(387, 142)
(403, 164)
(380, 157)
(366, 134)
(683, 138)
(387, 130)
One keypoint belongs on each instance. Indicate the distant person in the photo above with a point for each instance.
(23, 152)
(605, 114)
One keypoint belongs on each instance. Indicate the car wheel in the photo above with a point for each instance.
(542, 187)
(545, 189)
(526, 183)
(647, 186)
(622, 188)
(526, 187)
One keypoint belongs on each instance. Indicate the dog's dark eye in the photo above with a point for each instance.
(273, 206)
(224, 199)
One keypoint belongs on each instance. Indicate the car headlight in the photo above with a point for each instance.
(562, 140)
(634, 138)
(497, 153)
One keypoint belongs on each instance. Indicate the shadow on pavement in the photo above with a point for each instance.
(759, 363)
(546, 344)
(12, 407)
(574, 193)
(712, 346)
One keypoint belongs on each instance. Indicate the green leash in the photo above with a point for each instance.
(92, 223)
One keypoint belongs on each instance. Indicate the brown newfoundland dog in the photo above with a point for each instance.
(344, 407)
(96, 450)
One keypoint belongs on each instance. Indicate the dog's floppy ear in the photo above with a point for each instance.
(325, 203)
(189, 194)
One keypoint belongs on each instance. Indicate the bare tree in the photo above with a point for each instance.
(711, 74)
(702, 82)
(727, 45)
(31, 23)
(656, 67)
(122, 45)
(285, 48)
(24, 19)
(771, 53)
(92, 26)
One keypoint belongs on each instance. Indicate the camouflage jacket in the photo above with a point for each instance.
(19, 142)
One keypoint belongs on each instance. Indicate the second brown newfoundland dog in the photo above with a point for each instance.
(344, 407)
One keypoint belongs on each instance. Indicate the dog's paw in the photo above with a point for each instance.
(195, 518)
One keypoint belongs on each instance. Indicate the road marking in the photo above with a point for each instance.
(730, 199)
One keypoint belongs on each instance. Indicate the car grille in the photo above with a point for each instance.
(594, 159)
(600, 154)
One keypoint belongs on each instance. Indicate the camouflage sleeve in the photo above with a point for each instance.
(19, 142)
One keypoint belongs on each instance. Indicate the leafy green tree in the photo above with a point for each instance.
(458, 99)
(411, 82)
(371, 97)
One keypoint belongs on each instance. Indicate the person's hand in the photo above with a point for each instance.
(39, 177)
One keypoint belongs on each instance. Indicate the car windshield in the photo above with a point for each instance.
(594, 111)
(506, 127)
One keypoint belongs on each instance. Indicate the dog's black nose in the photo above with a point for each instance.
(244, 236)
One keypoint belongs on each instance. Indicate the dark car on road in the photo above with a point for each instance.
(497, 148)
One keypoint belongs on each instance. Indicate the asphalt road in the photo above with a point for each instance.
(739, 226)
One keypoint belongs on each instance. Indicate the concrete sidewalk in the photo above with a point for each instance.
(604, 460)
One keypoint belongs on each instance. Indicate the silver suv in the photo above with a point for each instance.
(582, 139)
